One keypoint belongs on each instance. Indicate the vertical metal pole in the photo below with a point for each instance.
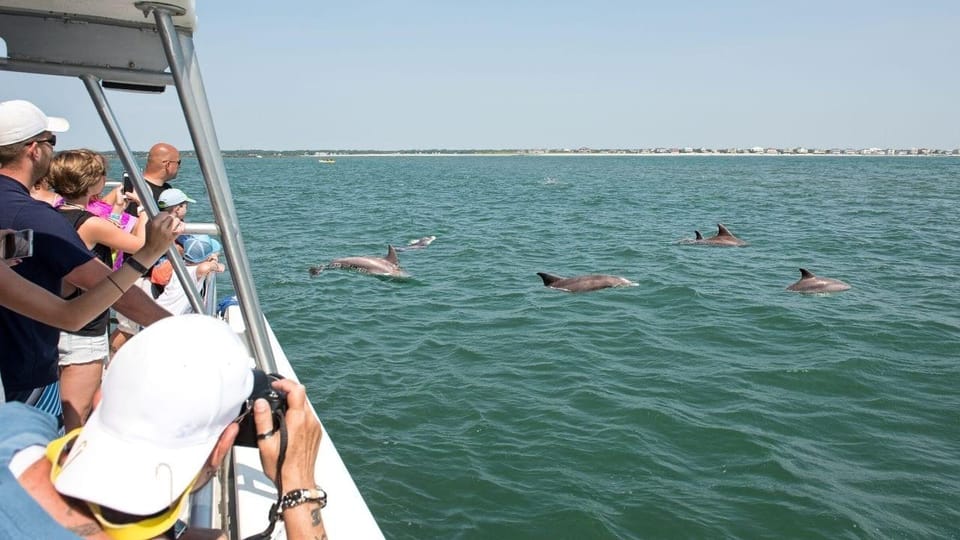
(186, 74)
(139, 184)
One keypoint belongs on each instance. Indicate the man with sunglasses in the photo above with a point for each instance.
(60, 262)
(163, 164)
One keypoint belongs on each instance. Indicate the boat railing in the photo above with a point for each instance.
(202, 300)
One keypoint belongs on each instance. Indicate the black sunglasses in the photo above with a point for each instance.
(52, 141)
(172, 161)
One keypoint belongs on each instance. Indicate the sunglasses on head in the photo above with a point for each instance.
(52, 140)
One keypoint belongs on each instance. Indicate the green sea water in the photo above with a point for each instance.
(469, 401)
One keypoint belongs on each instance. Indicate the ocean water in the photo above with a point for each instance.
(469, 401)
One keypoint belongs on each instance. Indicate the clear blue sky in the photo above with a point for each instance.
(554, 74)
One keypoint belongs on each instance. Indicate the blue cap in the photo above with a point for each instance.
(198, 247)
(225, 303)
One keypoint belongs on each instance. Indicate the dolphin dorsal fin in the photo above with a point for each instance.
(392, 255)
(804, 273)
(548, 278)
(699, 236)
(722, 231)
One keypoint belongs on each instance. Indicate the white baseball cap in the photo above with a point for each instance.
(167, 396)
(20, 120)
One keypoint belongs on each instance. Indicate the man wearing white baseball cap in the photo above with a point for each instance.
(22, 121)
(28, 365)
(161, 429)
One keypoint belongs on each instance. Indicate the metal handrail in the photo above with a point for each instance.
(139, 184)
(189, 84)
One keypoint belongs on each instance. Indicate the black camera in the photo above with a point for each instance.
(278, 407)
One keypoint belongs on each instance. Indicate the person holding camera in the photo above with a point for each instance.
(161, 429)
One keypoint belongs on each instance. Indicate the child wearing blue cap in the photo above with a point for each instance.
(201, 254)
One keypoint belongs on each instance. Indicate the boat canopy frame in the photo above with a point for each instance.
(123, 52)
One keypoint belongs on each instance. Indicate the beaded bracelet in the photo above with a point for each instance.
(297, 497)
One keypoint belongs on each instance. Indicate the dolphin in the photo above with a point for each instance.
(385, 266)
(590, 282)
(810, 283)
(418, 244)
(723, 238)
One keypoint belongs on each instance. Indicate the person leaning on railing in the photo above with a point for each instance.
(160, 431)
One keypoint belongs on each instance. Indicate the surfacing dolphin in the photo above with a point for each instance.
(723, 238)
(590, 282)
(811, 283)
(418, 244)
(378, 266)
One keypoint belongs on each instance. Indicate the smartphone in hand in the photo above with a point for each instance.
(17, 244)
(127, 183)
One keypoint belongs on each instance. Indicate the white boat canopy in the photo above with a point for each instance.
(116, 41)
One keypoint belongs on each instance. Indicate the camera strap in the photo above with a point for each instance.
(273, 515)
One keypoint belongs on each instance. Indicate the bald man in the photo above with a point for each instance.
(163, 164)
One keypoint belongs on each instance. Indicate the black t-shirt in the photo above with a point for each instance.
(155, 189)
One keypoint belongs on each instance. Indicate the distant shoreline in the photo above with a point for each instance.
(333, 154)
(604, 154)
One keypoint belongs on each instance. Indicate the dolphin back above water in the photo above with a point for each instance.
(723, 238)
(811, 283)
(418, 244)
(378, 266)
(585, 283)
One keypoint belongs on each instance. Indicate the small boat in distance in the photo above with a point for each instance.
(327, 160)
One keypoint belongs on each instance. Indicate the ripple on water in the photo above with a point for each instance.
(472, 402)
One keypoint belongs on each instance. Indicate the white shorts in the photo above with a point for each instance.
(76, 349)
(124, 323)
